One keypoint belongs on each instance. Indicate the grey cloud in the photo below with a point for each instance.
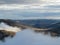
(18, 14)
(18, 1)
(52, 7)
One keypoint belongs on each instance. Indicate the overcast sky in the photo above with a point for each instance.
(30, 4)
(19, 1)
(26, 1)
(39, 6)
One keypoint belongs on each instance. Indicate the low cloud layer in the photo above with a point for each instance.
(6, 27)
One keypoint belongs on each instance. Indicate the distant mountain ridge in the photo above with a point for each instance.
(53, 26)
(42, 23)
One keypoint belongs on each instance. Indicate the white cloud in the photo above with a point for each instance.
(11, 6)
(20, 6)
(45, 6)
(6, 27)
(27, 6)
(51, 0)
(31, 7)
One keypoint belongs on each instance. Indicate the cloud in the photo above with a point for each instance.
(23, 14)
(6, 27)
(19, 1)
(11, 6)
(29, 1)
(31, 7)
(27, 6)
(30, 4)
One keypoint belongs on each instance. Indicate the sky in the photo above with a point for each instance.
(28, 9)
